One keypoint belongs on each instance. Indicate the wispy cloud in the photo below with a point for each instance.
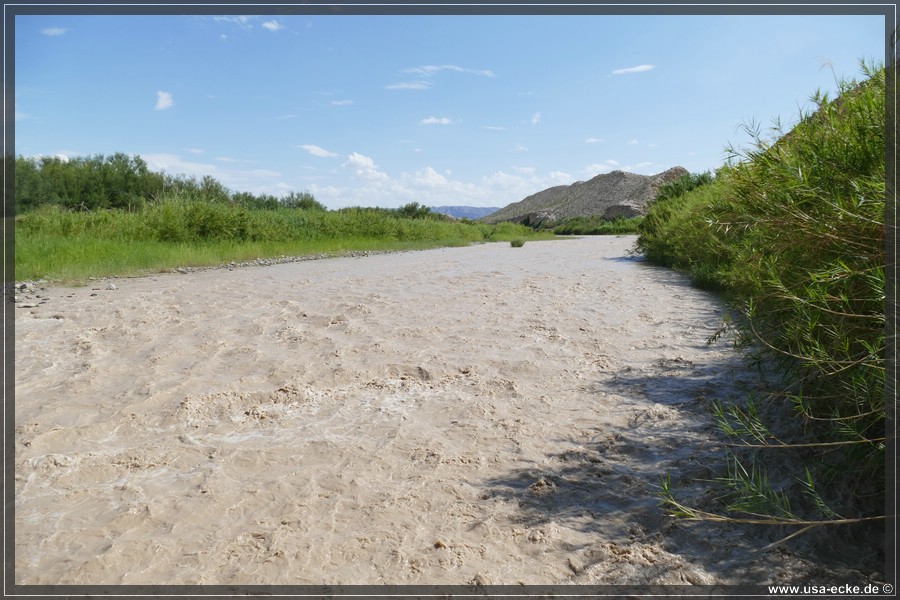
(54, 31)
(494, 127)
(604, 167)
(242, 20)
(633, 143)
(273, 25)
(431, 70)
(637, 69)
(318, 151)
(193, 150)
(408, 85)
(164, 100)
(592, 140)
(341, 102)
(436, 121)
(536, 118)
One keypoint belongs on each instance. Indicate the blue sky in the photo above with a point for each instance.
(441, 110)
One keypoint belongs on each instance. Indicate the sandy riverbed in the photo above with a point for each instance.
(485, 414)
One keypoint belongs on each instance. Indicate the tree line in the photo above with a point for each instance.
(125, 182)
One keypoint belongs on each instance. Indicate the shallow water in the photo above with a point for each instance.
(490, 414)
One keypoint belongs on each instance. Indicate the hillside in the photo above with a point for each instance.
(465, 212)
(610, 195)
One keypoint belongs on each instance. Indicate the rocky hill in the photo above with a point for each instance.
(610, 195)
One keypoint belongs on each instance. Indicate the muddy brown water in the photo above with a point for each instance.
(484, 414)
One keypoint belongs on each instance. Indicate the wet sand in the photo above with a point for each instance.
(487, 414)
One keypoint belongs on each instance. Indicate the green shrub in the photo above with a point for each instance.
(794, 233)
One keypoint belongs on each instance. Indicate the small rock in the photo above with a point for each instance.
(480, 579)
(112, 286)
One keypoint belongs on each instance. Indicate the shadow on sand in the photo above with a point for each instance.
(609, 488)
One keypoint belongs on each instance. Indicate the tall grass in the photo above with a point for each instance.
(59, 244)
(794, 233)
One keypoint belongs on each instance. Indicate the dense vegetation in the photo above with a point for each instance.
(101, 216)
(793, 232)
(124, 182)
(597, 225)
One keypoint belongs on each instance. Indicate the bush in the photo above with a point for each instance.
(794, 233)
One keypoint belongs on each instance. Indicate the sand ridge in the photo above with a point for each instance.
(484, 414)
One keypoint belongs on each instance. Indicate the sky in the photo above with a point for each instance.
(384, 110)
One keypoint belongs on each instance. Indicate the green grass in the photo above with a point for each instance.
(60, 245)
(794, 233)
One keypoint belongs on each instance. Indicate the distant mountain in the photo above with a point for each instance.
(610, 195)
(465, 212)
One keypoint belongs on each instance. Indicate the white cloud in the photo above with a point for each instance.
(494, 127)
(364, 167)
(637, 69)
(559, 178)
(411, 85)
(633, 143)
(256, 181)
(164, 100)
(54, 31)
(172, 163)
(436, 121)
(193, 150)
(341, 102)
(604, 167)
(520, 148)
(273, 25)
(318, 151)
(431, 70)
(432, 188)
(429, 178)
(242, 20)
(592, 140)
(536, 118)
